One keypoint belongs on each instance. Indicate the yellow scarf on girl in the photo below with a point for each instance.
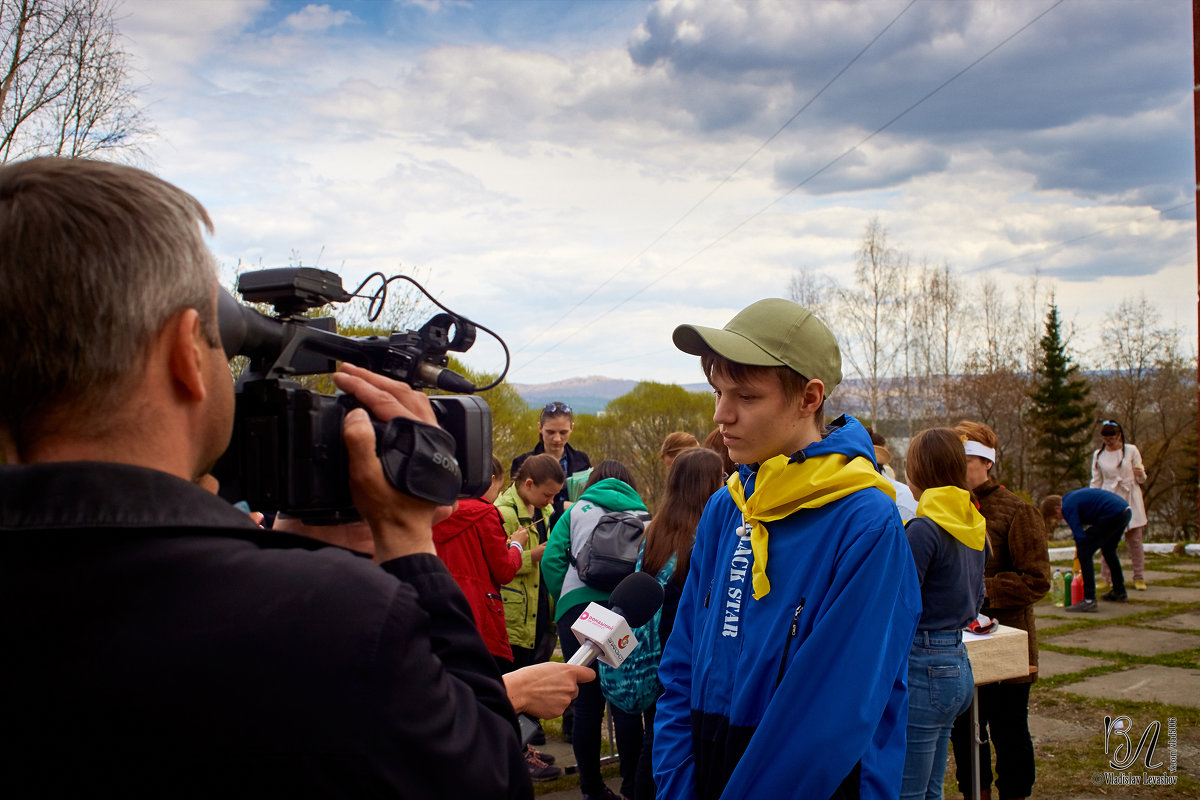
(954, 512)
(783, 487)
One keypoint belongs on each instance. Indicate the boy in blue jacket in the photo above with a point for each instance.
(785, 675)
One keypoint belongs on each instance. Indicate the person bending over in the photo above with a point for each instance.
(1097, 520)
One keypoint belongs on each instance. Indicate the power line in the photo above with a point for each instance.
(802, 183)
(719, 185)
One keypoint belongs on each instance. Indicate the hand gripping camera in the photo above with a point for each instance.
(287, 453)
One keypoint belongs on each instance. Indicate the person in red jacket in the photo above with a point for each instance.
(472, 544)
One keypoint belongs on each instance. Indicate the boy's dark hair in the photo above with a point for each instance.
(1050, 506)
(792, 382)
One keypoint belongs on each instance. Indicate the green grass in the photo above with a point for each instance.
(1065, 768)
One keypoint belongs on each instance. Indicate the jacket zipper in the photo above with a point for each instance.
(793, 630)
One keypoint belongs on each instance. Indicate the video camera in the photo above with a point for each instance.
(287, 453)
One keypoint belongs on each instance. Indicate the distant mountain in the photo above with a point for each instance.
(587, 395)
(591, 394)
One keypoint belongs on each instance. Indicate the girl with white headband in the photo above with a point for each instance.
(1017, 575)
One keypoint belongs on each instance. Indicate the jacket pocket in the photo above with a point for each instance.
(494, 603)
(516, 606)
(792, 632)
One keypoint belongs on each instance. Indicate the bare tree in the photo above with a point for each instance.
(869, 311)
(1144, 381)
(814, 291)
(64, 81)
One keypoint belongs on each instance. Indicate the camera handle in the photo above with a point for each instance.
(418, 459)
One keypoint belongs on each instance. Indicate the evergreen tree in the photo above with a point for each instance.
(1061, 416)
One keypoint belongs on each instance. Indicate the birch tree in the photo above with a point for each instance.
(65, 85)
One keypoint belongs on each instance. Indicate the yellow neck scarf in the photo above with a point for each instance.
(951, 508)
(782, 488)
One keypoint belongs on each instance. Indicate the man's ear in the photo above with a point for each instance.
(814, 395)
(186, 352)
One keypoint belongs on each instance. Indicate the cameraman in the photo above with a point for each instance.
(158, 641)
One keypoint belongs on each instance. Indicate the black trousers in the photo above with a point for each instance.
(1004, 722)
(1104, 536)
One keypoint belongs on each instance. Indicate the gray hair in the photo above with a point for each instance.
(94, 259)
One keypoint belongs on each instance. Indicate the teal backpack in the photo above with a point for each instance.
(634, 687)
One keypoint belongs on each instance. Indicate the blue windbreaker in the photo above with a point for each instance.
(805, 690)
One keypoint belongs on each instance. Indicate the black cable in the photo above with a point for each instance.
(381, 296)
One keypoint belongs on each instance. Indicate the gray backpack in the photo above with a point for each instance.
(611, 550)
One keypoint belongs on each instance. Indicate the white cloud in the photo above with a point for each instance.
(527, 177)
(317, 18)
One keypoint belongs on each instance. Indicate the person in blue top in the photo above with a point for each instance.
(1097, 519)
(786, 672)
(948, 537)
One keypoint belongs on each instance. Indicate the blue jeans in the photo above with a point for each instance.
(939, 689)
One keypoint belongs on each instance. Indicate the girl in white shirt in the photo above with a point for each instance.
(1117, 467)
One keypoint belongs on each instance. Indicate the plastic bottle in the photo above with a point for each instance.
(1065, 594)
(1077, 584)
(1056, 588)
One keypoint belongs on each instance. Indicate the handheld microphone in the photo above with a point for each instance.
(634, 601)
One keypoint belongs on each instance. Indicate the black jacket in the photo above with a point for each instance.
(158, 643)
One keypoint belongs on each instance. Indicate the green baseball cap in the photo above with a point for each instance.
(770, 333)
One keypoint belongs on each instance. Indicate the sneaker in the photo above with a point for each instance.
(1087, 606)
(1139, 585)
(544, 756)
(539, 770)
(1114, 597)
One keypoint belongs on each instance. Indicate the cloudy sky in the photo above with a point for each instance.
(583, 176)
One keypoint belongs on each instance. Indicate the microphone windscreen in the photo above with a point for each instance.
(636, 598)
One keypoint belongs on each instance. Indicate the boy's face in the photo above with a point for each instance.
(756, 420)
